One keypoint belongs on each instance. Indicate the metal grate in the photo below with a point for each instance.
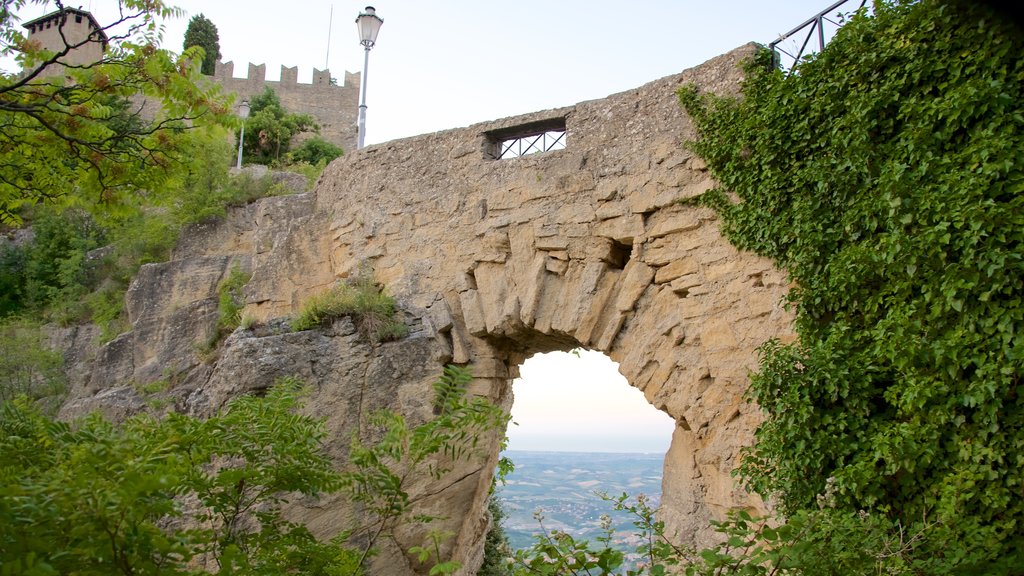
(822, 26)
(531, 144)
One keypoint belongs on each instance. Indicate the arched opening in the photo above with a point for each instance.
(579, 428)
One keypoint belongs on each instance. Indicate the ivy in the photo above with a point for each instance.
(886, 177)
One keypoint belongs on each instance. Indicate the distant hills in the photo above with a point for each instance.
(563, 484)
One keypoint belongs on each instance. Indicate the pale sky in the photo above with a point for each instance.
(565, 403)
(450, 63)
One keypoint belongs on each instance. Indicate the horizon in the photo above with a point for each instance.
(568, 403)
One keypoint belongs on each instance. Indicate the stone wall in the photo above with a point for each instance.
(58, 30)
(491, 261)
(334, 107)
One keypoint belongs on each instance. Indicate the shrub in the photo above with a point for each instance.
(230, 299)
(372, 310)
(28, 367)
(314, 151)
(100, 498)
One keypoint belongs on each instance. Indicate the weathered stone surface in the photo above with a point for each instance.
(490, 261)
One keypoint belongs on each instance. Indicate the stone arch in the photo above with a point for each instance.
(490, 261)
(587, 246)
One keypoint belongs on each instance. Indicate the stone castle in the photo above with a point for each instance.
(491, 259)
(333, 106)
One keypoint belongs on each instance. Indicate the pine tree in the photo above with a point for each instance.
(203, 33)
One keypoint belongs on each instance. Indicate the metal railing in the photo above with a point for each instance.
(822, 25)
(532, 144)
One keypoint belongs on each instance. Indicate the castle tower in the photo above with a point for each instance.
(81, 33)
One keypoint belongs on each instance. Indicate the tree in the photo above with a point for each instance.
(80, 133)
(180, 495)
(315, 151)
(172, 496)
(202, 32)
(271, 128)
(28, 367)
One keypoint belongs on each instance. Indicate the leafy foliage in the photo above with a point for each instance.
(314, 151)
(496, 545)
(270, 129)
(202, 32)
(372, 309)
(230, 299)
(230, 303)
(381, 469)
(885, 176)
(54, 268)
(106, 499)
(85, 115)
(28, 367)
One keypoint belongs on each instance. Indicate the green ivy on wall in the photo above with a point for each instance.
(887, 177)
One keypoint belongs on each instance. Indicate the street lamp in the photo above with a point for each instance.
(243, 113)
(368, 24)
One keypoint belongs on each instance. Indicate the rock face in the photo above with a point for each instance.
(491, 261)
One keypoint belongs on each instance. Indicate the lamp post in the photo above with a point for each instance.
(243, 113)
(368, 24)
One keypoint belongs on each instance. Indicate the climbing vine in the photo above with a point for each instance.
(886, 176)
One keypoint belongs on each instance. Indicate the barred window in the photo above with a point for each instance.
(532, 138)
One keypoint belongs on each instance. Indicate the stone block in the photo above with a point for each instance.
(635, 279)
(472, 313)
(551, 243)
(596, 309)
(531, 286)
(675, 269)
(574, 214)
(606, 210)
(556, 266)
(622, 228)
(492, 283)
(679, 222)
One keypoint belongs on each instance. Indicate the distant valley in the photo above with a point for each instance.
(563, 484)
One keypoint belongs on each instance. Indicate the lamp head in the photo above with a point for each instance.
(368, 24)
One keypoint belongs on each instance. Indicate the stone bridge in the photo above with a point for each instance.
(491, 261)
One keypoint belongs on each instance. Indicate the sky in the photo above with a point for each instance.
(569, 403)
(451, 63)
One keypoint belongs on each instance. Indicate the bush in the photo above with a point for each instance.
(314, 151)
(372, 310)
(104, 499)
(28, 367)
(231, 301)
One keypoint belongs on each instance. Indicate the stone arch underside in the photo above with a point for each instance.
(490, 261)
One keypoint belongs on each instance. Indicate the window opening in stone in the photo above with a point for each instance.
(525, 139)
(580, 428)
(618, 254)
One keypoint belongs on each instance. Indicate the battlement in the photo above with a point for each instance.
(257, 74)
(333, 105)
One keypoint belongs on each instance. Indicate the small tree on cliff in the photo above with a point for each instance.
(270, 128)
(203, 33)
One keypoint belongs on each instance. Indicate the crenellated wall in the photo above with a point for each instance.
(334, 106)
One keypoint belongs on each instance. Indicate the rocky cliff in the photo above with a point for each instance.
(490, 261)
